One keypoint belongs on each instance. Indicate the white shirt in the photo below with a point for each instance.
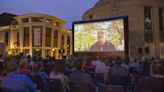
(101, 68)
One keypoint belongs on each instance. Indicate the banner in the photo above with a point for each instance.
(37, 36)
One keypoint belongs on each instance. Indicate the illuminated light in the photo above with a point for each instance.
(53, 49)
(42, 19)
(12, 46)
(9, 53)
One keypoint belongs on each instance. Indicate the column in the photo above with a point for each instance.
(65, 43)
(156, 37)
(52, 41)
(21, 36)
(59, 42)
(12, 37)
(71, 44)
(43, 40)
(2, 37)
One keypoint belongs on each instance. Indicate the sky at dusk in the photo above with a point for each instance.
(68, 10)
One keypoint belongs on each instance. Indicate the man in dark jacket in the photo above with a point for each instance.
(101, 44)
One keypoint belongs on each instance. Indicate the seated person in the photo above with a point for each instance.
(153, 83)
(37, 71)
(101, 68)
(88, 66)
(119, 73)
(57, 73)
(22, 67)
(102, 44)
(78, 76)
(134, 66)
(15, 80)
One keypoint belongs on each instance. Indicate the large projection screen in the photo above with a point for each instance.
(98, 36)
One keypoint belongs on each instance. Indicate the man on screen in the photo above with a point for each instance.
(102, 45)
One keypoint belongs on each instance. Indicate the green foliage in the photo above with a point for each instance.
(116, 33)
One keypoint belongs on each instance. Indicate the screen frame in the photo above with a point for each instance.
(126, 34)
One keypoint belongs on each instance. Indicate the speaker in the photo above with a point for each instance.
(146, 49)
(140, 51)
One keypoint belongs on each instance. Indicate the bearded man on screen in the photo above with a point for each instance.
(102, 45)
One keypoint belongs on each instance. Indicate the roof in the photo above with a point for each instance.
(6, 19)
(40, 15)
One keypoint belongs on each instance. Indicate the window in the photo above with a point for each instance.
(68, 45)
(25, 20)
(26, 52)
(48, 37)
(147, 49)
(148, 24)
(55, 38)
(37, 19)
(7, 38)
(62, 40)
(161, 19)
(37, 36)
(91, 17)
(26, 40)
(18, 37)
(161, 24)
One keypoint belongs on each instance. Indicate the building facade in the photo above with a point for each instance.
(146, 27)
(37, 34)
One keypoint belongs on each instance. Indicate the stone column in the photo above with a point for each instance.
(155, 27)
(30, 37)
(43, 40)
(52, 40)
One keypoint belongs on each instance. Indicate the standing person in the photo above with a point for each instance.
(101, 44)
(145, 67)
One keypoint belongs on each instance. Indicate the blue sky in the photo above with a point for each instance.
(68, 10)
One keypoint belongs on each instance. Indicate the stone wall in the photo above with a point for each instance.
(134, 9)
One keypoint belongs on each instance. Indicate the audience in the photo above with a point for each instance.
(119, 75)
(101, 67)
(134, 66)
(153, 83)
(15, 72)
(78, 76)
(37, 71)
(57, 73)
(145, 65)
(22, 67)
(88, 66)
(118, 70)
(15, 80)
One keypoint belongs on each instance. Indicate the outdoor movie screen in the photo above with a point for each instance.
(99, 36)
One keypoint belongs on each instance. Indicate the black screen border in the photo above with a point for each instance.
(126, 32)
